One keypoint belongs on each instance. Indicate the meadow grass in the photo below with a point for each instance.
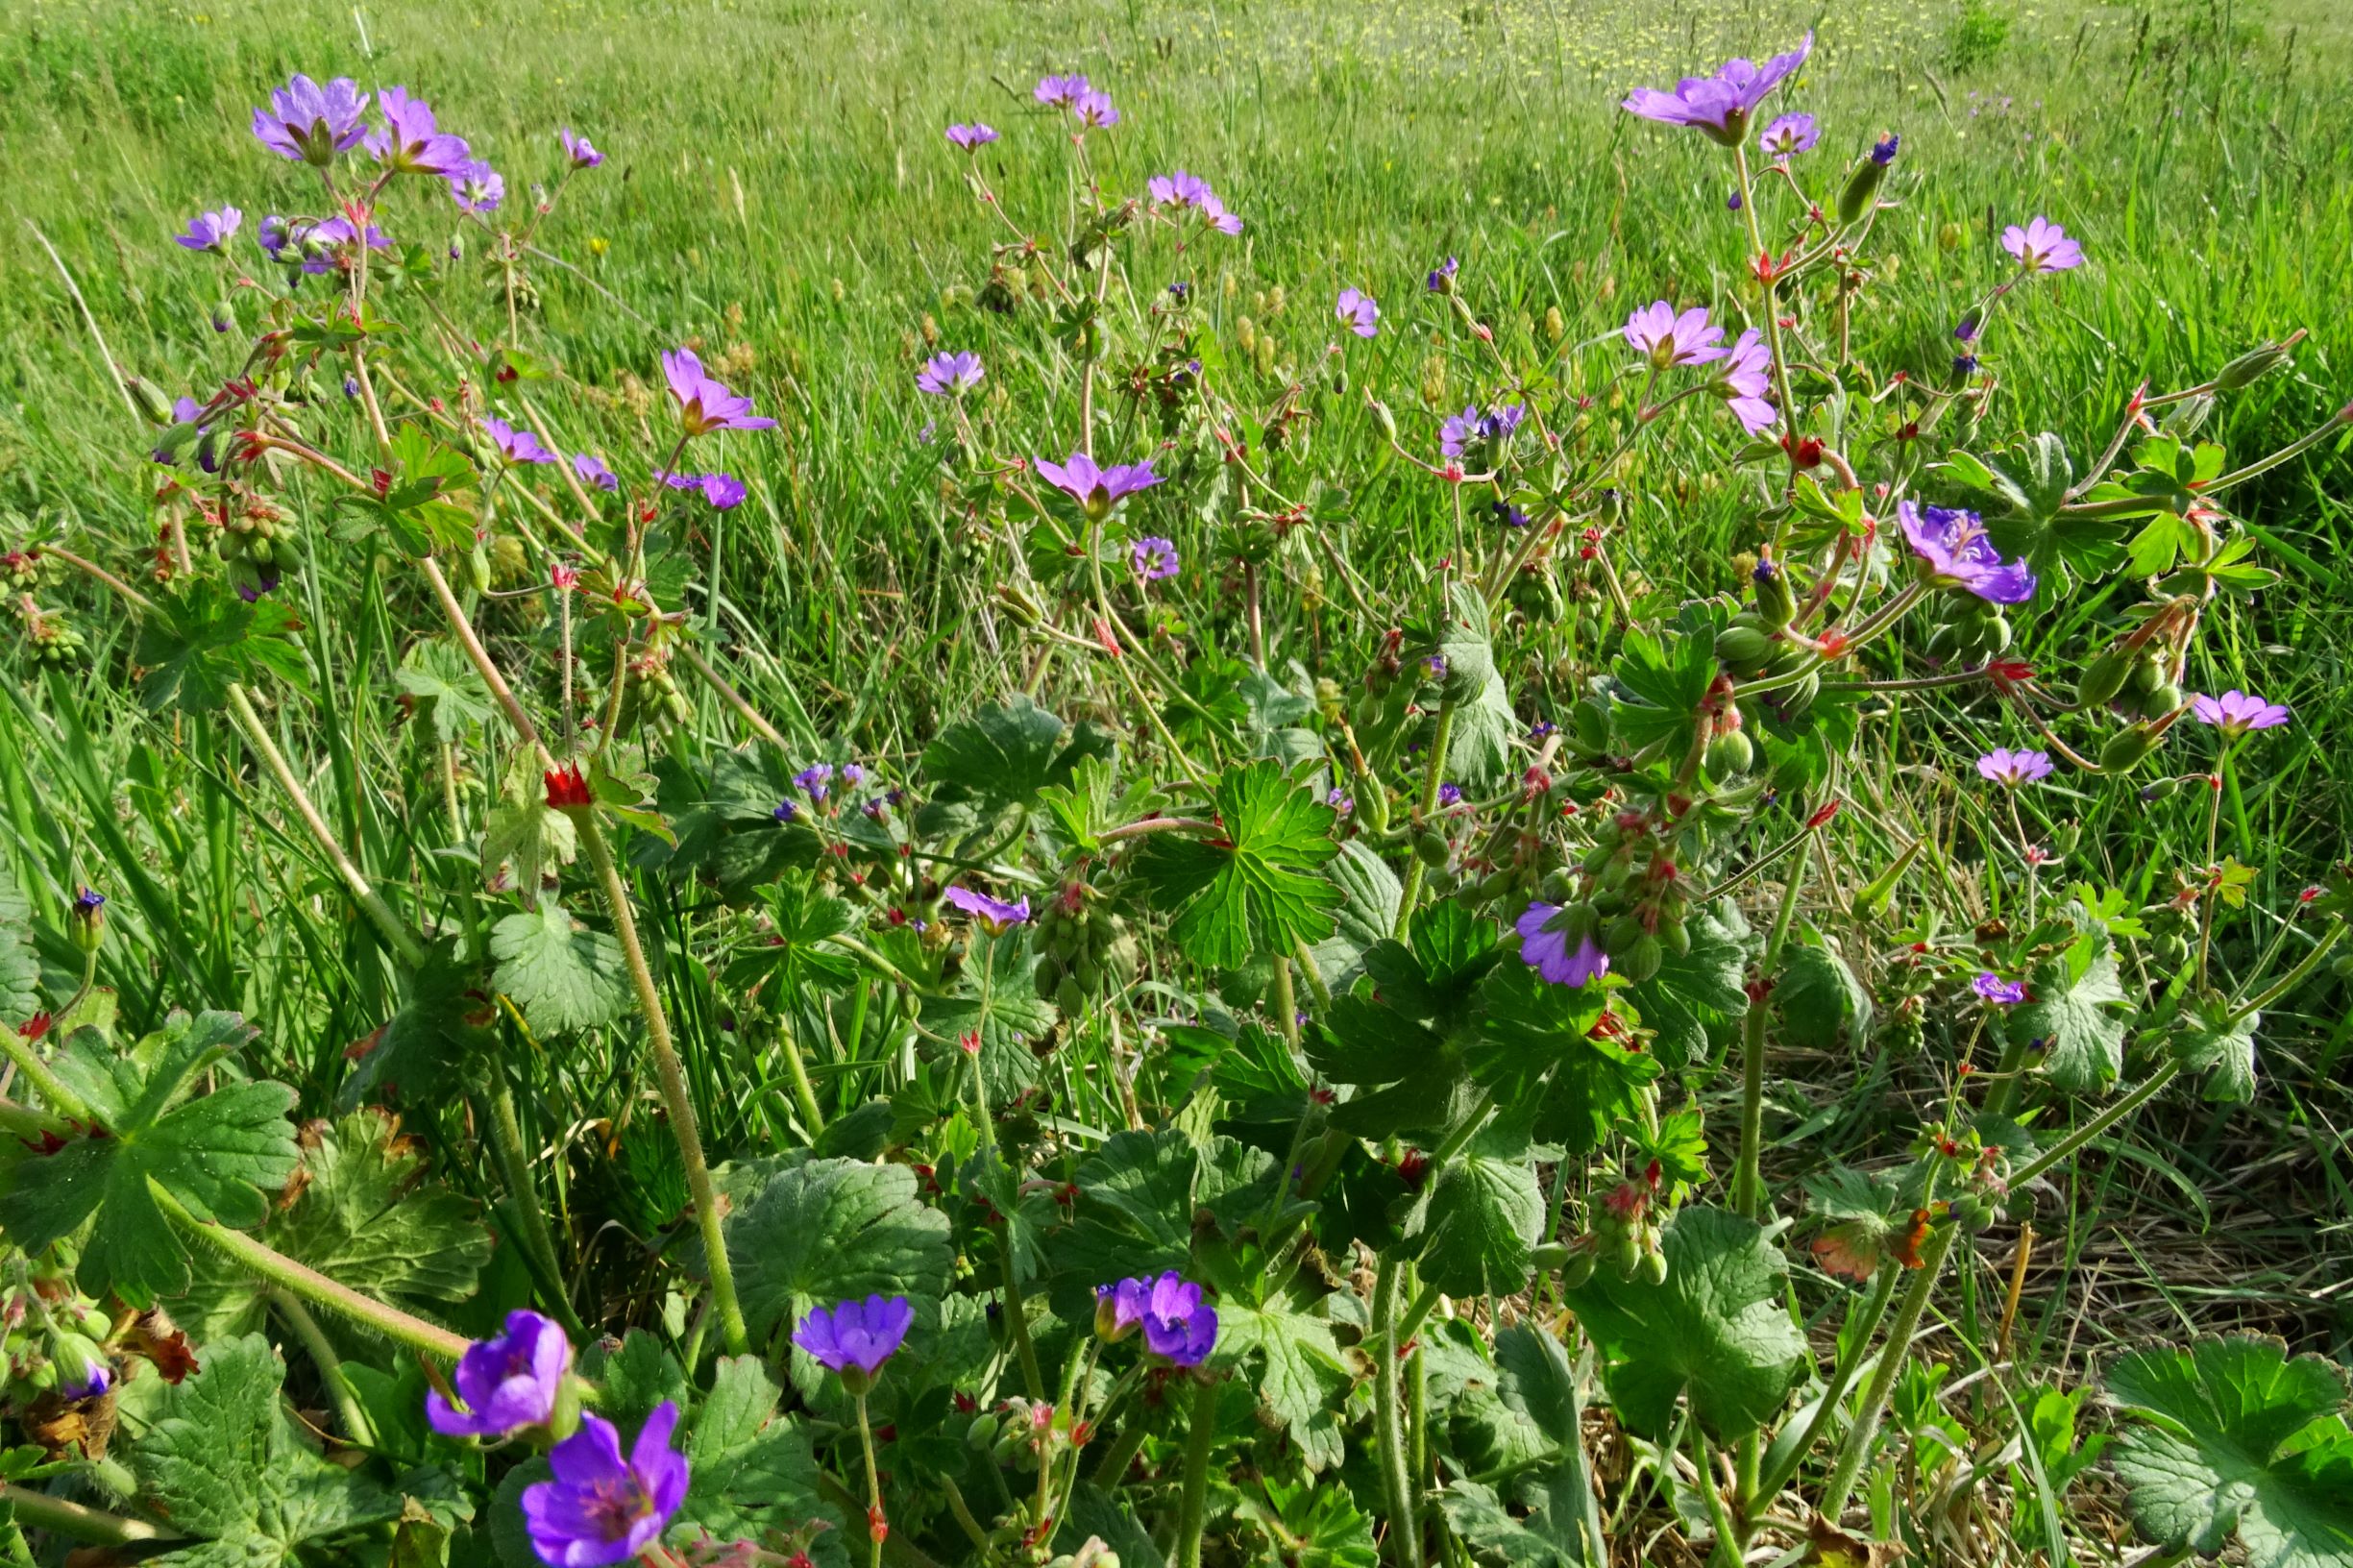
(777, 185)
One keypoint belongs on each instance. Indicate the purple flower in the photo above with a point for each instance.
(1720, 105)
(855, 1336)
(592, 469)
(506, 1384)
(1547, 951)
(1155, 558)
(1455, 435)
(1954, 553)
(601, 1508)
(1450, 795)
(1061, 91)
(1358, 309)
(408, 142)
(579, 151)
(310, 123)
(1339, 800)
(1436, 664)
(1097, 489)
(1094, 110)
(1213, 212)
(210, 231)
(89, 901)
(947, 374)
(1731, 203)
(994, 914)
(1176, 1326)
(1789, 135)
(476, 188)
(333, 233)
(516, 443)
(1883, 150)
(82, 1368)
(1998, 991)
(971, 137)
(852, 774)
(817, 779)
(1542, 730)
(2235, 711)
(273, 236)
(1745, 378)
(1964, 365)
(2011, 769)
(2042, 246)
(1442, 278)
(723, 491)
(1183, 188)
(705, 404)
(784, 811)
(1669, 339)
(1509, 515)
(678, 481)
(1966, 329)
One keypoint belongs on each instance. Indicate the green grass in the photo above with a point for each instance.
(778, 181)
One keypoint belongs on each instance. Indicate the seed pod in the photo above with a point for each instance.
(1862, 189)
(1730, 754)
(2127, 747)
(2104, 677)
(1654, 1266)
(1578, 1268)
(2146, 676)
(1642, 960)
(1742, 650)
(1777, 599)
(1047, 977)
(1068, 997)
(1675, 937)
(1432, 848)
(2161, 700)
(2255, 363)
(1624, 1255)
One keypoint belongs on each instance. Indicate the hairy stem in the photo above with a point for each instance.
(74, 1520)
(1192, 1512)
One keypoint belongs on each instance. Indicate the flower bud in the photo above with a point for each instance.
(153, 404)
(2255, 363)
(87, 921)
(2104, 676)
(2127, 748)
(82, 1370)
(1864, 182)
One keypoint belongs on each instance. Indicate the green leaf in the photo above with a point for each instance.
(1481, 1218)
(440, 675)
(1661, 686)
(832, 1229)
(1715, 1333)
(20, 965)
(2068, 997)
(1004, 1009)
(790, 957)
(753, 1472)
(1309, 1525)
(1478, 750)
(2233, 1437)
(222, 1461)
(219, 1154)
(1818, 999)
(1257, 889)
(1085, 807)
(2032, 479)
(1527, 1028)
(1300, 1372)
(1548, 1538)
(1366, 913)
(2212, 1042)
(1004, 755)
(367, 1217)
(1701, 988)
(202, 640)
(563, 975)
(1135, 1216)
(525, 831)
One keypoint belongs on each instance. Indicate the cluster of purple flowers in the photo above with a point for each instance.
(1720, 105)
(1459, 431)
(1954, 553)
(1087, 104)
(1544, 947)
(1177, 1326)
(1186, 192)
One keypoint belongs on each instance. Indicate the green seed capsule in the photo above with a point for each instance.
(1654, 1266)
(1579, 1267)
(2127, 747)
(1622, 935)
(1642, 960)
(1432, 848)
(2252, 365)
(2104, 677)
(1730, 754)
(2161, 700)
(1742, 649)
(1862, 189)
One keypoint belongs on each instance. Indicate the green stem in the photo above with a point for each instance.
(62, 1100)
(1123, 1450)
(1748, 1181)
(1193, 1511)
(1433, 774)
(1387, 1425)
(276, 1268)
(804, 1095)
(875, 1529)
(673, 1075)
(356, 1423)
(395, 931)
(1855, 1452)
(60, 1517)
(1841, 1375)
(538, 1240)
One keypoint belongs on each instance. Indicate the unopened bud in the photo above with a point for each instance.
(152, 403)
(2256, 363)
